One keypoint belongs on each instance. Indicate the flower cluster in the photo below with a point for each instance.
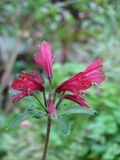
(72, 89)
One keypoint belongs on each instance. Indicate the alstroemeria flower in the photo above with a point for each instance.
(79, 100)
(83, 80)
(51, 108)
(27, 84)
(45, 59)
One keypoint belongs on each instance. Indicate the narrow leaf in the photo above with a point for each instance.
(77, 110)
(12, 91)
(63, 125)
(30, 112)
(30, 109)
(22, 117)
(39, 115)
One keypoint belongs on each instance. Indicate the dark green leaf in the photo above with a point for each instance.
(63, 125)
(76, 110)
(39, 115)
(30, 109)
(12, 91)
(22, 117)
(30, 112)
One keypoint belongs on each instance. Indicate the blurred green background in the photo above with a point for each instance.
(80, 31)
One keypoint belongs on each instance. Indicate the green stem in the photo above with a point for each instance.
(54, 97)
(44, 97)
(40, 102)
(60, 100)
(48, 122)
(47, 138)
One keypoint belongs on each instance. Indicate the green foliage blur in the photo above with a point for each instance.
(80, 31)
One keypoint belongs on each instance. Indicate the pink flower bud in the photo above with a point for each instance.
(45, 59)
(51, 108)
(25, 124)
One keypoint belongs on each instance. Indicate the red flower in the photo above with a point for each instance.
(37, 76)
(81, 101)
(45, 58)
(51, 108)
(84, 80)
(27, 84)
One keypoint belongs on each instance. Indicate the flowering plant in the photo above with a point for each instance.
(72, 89)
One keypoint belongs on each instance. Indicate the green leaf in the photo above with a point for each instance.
(22, 117)
(63, 125)
(12, 91)
(76, 110)
(39, 115)
(30, 109)
(30, 112)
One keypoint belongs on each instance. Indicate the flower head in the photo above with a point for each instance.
(27, 84)
(83, 80)
(45, 59)
(51, 108)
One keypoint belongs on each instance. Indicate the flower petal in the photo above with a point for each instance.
(36, 75)
(94, 72)
(81, 101)
(19, 96)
